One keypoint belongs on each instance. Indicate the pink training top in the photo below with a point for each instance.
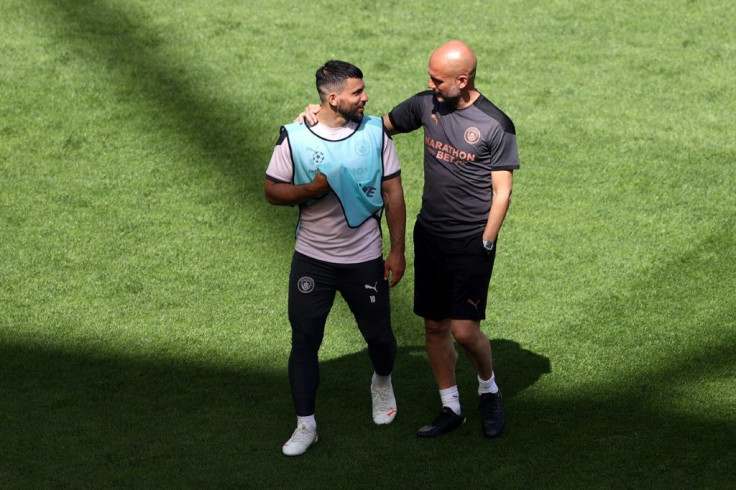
(324, 233)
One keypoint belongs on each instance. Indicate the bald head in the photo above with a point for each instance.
(454, 59)
(452, 74)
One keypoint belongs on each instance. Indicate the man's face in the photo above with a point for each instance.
(443, 85)
(351, 101)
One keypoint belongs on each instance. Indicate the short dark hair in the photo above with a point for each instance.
(333, 75)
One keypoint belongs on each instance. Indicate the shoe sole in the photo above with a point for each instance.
(385, 419)
(305, 449)
(429, 433)
(494, 435)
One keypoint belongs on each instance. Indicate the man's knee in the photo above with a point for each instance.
(378, 333)
(307, 333)
(466, 332)
(436, 328)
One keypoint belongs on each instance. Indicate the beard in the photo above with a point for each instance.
(354, 114)
(452, 97)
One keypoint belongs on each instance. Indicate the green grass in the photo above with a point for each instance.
(143, 329)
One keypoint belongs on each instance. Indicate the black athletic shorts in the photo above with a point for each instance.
(451, 276)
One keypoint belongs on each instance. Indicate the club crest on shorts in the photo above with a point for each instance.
(305, 284)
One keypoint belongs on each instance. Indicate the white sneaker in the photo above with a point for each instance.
(303, 437)
(384, 404)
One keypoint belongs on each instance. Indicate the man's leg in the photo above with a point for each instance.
(442, 357)
(477, 349)
(441, 352)
(475, 345)
(367, 294)
(311, 294)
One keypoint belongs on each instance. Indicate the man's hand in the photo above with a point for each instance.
(393, 199)
(394, 268)
(287, 194)
(309, 115)
(319, 185)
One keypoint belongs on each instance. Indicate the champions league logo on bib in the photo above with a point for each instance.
(317, 158)
(305, 285)
(311, 165)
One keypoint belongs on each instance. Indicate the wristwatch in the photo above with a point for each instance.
(488, 245)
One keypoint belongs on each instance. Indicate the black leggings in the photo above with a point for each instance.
(312, 288)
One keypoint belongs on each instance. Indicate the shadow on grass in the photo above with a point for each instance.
(74, 420)
(78, 421)
(236, 138)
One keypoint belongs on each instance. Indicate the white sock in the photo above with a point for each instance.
(309, 420)
(380, 381)
(487, 386)
(451, 399)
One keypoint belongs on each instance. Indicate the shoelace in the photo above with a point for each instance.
(490, 407)
(445, 416)
(302, 434)
(383, 399)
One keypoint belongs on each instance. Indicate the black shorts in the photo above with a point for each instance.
(451, 276)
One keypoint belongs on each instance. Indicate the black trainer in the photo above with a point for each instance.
(445, 422)
(491, 414)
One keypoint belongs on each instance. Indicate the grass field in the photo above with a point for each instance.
(143, 329)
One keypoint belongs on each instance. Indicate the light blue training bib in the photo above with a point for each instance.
(353, 166)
